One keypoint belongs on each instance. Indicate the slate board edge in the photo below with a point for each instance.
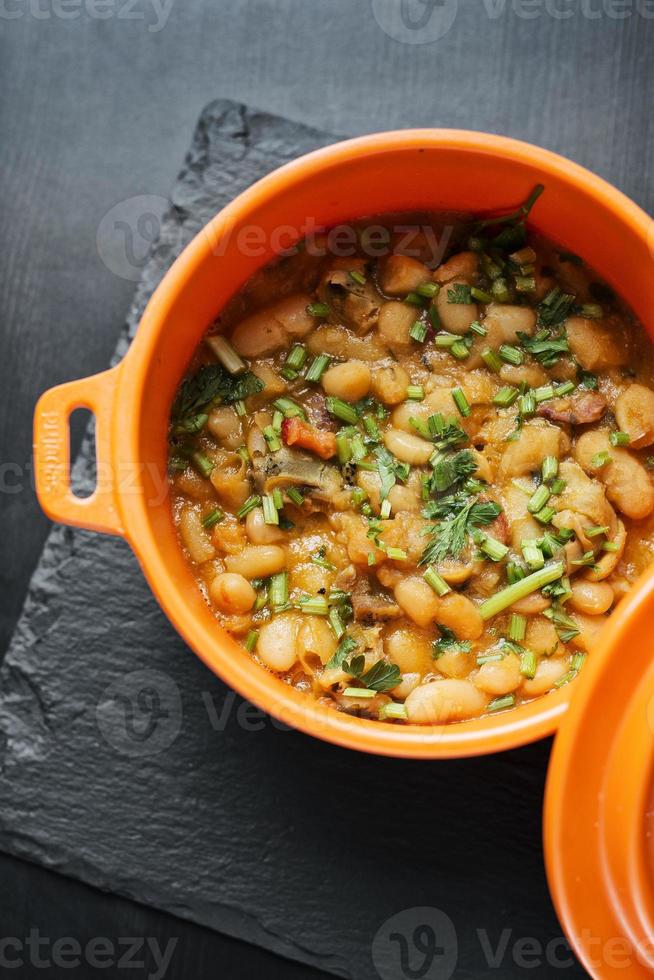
(241, 124)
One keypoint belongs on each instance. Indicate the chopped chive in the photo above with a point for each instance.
(532, 555)
(505, 396)
(244, 454)
(343, 448)
(609, 546)
(592, 311)
(493, 548)
(461, 402)
(514, 573)
(262, 600)
(512, 593)
(317, 368)
(558, 486)
(177, 463)
(428, 289)
(295, 496)
(600, 460)
(341, 409)
(270, 512)
(315, 605)
(550, 467)
(491, 360)
(288, 408)
(272, 439)
(527, 404)
(481, 295)
(489, 658)
(359, 451)
(434, 318)
(203, 464)
(414, 299)
(358, 277)
(239, 407)
(512, 355)
(296, 357)
(419, 331)
(501, 703)
(545, 515)
(446, 339)
(358, 692)
(396, 554)
(436, 581)
(336, 622)
(478, 329)
(538, 499)
(250, 504)
(358, 496)
(596, 530)
(421, 427)
(318, 309)
(543, 393)
(525, 284)
(578, 661)
(278, 498)
(517, 627)
(566, 388)
(371, 427)
(277, 421)
(251, 640)
(393, 711)
(214, 517)
(278, 591)
(500, 290)
(385, 509)
(528, 664)
(415, 393)
(619, 439)
(588, 558)
(459, 350)
(226, 354)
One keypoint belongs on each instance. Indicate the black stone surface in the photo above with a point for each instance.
(126, 764)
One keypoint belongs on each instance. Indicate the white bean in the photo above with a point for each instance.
(446, 700)
(277, 643)
(499, 676)
(258, 531)
(548, 672)
(455, 317)
(257, 561)
(409, 448)
(349, 381)
(232, 593)
(195, 536)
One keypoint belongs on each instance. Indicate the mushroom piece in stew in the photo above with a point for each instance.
(415, 485)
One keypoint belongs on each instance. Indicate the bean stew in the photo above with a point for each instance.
(414, 479)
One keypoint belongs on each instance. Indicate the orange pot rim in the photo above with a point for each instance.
(517, 727)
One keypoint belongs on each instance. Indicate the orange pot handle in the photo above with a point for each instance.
(99, 512)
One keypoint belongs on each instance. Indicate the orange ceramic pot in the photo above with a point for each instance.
(407, 170)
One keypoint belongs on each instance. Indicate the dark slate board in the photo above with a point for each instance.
(126, 764)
